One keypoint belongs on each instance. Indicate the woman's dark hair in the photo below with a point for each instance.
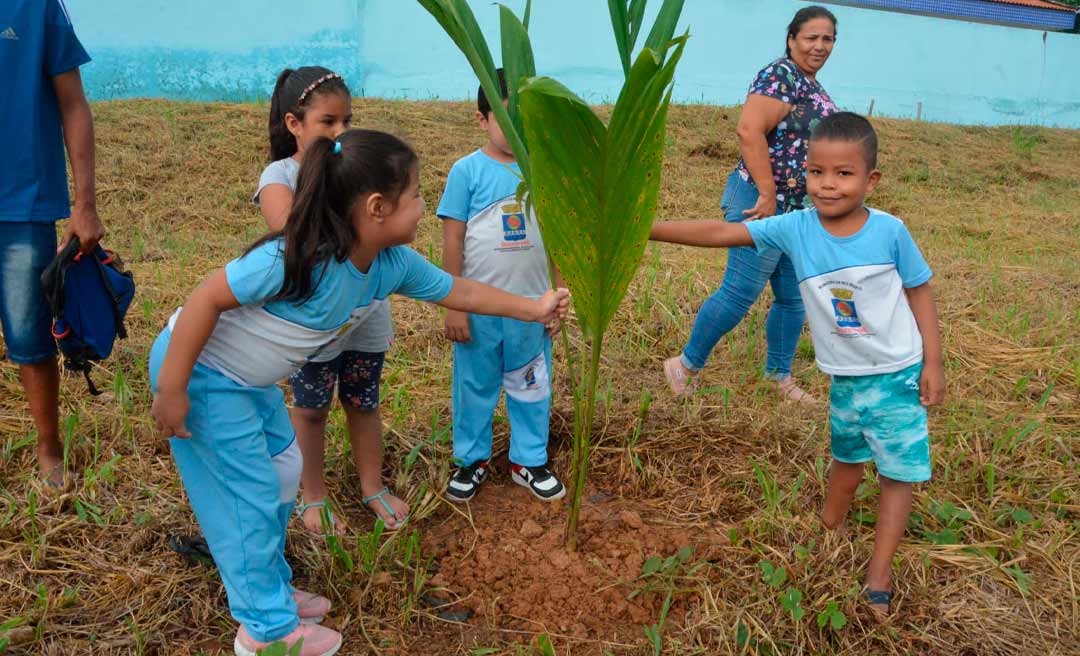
(320, 225)
(803, 16)
(292, 94)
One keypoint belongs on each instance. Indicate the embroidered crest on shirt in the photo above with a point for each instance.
(514, 235)
(847, 317)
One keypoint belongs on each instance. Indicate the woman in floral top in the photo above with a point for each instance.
(784, 104)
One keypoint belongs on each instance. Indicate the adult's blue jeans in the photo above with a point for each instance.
(748, 271)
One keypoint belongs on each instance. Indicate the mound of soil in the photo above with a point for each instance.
(513, 572)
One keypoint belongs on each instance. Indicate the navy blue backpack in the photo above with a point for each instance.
(88, 296)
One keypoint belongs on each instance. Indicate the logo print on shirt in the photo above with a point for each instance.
(9, 34)
(847, 317)
(530, 378)
(513, 222)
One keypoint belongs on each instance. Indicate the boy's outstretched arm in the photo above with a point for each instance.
(477, 298)
(708, 233)
(932, 382)
(189, 336)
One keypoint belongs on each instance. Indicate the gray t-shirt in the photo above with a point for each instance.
(373, 332)
(282, 172)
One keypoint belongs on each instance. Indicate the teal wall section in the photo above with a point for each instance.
(231, 50)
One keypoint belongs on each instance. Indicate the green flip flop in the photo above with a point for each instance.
(379, 496)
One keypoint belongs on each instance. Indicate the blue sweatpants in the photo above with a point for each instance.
(503, 354)
(241, 470)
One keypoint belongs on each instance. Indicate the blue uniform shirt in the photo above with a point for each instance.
(503, 247)
(265, 340)
(37, 43)
(853, 289)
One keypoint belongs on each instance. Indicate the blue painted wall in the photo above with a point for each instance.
(231, 50)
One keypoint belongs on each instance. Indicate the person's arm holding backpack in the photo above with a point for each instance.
(79, 139)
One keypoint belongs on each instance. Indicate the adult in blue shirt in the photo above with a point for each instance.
(42, 110)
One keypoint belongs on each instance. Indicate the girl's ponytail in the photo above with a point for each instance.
(282, 142)
(318, 228)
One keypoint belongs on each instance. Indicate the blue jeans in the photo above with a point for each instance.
(25, 250)
(747, 272)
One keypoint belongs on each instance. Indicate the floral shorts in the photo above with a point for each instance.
(355, 373)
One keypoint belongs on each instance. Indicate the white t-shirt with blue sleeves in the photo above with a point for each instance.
(503, 248)
(853, 289)
(264, 341)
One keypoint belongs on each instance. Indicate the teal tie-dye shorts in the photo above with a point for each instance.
(880, 418)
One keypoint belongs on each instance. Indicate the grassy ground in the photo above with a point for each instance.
(991, 564)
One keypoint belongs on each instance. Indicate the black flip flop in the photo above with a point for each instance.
(192, 548)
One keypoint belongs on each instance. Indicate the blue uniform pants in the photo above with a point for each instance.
(241, 470)
(503, 354)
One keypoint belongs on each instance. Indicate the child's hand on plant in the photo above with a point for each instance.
(169, 411)
(553, 306)
(932, 384)
(457, 326)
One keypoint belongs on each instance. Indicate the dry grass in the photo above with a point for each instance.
(990, 565)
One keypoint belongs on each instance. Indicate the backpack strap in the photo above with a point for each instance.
(94, 391)
(121, 329)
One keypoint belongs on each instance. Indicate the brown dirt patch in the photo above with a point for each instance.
(511, 570)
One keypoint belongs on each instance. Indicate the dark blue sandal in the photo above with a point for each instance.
(878, 597)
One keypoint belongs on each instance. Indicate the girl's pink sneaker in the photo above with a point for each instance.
(317, 641)
(310, 607)
(791, 392)
(680, 379)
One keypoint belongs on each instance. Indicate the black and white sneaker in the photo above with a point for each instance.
(540, 481)
(466, 481)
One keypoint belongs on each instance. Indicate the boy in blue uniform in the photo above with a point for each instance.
(43, 109)
(872, 317)
(488, 238)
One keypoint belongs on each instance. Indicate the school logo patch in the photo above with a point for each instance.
(530, 378)
(513, 222)
(847, 317)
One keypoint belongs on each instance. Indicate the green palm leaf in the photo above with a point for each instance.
(595, 188)
(517, 57)
(459, 23)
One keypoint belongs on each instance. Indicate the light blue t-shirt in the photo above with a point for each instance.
(853, 289)
(37, 43)
(264, 340)
(503, 248)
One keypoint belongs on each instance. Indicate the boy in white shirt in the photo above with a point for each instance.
(488, 238)
(872, 317)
